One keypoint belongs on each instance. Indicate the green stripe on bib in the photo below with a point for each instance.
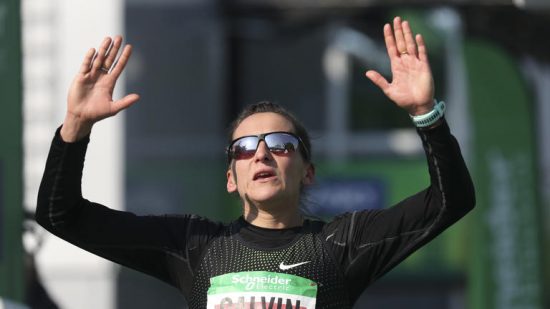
(262, 281)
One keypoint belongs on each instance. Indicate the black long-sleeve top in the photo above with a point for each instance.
(216, 265)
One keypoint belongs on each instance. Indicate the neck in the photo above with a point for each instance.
(279, 218)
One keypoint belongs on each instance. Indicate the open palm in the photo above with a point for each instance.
(412, 86)
(90, 97)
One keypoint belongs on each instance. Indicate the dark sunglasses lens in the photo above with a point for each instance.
(244, 148)
(281, 143)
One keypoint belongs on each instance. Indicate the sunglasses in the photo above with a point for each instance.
(279, 143)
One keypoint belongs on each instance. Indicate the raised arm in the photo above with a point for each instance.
(90, 97)
(396, 232)
(155, 245)
(369, 243)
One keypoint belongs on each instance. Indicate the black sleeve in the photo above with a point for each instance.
(155, 245)
(369, 243)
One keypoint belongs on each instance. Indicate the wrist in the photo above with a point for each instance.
(74, 128)
(422, 109)
(430, 118)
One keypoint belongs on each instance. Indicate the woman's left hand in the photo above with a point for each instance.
(412, 86)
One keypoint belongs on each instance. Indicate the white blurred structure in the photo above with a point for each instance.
(56, 35)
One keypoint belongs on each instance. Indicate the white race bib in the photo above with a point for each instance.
(262, 290)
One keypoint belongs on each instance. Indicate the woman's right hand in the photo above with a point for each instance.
(90, 97)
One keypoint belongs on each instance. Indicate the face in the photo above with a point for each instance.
(267, 178)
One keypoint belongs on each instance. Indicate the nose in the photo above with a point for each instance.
(262, 152)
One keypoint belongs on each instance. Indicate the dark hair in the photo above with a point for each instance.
(270, 107)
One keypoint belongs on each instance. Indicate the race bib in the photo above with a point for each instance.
(262, 290)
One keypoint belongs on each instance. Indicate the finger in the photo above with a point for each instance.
(87, 63)
(100, 55)
(409, 40)
(390, 42)
(398, 33)
(121, 62)
(378, 80)
(422, 51)
(112, 52)
(125, 102)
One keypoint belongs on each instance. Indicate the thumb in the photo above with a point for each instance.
(377, 79)
(125, 102)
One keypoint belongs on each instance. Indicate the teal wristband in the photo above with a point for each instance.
(431, 117)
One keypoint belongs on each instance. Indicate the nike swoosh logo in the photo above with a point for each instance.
(282, 266)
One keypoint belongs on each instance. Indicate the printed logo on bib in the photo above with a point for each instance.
(261, 289)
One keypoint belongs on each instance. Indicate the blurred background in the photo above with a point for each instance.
(196, 63)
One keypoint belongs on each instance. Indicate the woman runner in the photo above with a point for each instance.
(271, 256)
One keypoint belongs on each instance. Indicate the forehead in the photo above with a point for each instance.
(263, 123)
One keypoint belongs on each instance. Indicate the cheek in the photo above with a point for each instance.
(293, 173)
(241, 174)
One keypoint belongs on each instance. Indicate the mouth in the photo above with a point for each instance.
(263, 176)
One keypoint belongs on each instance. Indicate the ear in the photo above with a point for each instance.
(231, 183)
(309, 174)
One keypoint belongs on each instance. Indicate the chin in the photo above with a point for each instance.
(263, 196)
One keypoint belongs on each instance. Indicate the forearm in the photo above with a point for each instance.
(60, 189)
(451, 184)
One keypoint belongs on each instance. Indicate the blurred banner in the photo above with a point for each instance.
(11, 260)
(506, 264)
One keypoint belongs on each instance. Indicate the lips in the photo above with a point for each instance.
(263, 174)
